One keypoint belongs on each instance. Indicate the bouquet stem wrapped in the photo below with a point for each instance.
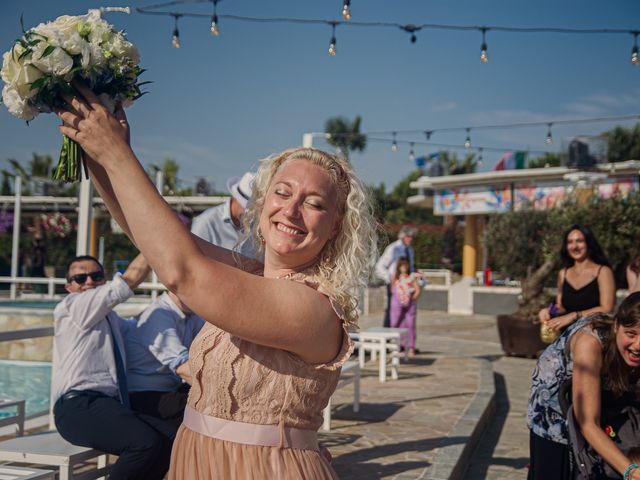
(41, 65)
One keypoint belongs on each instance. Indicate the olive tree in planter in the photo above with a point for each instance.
(516, 246)
(526, 245)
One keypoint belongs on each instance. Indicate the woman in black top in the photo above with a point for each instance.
(585, 284)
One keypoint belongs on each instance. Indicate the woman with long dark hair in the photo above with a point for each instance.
(585, 283)
(600, 355)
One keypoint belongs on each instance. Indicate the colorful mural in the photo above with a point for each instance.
(498, 199)
(462, 201)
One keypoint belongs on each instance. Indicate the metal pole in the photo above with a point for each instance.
(154, 277)
(307, 140)
(17, 207)
(101, 250)
(85, 211)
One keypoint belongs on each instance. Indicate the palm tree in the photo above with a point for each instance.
(345, 135)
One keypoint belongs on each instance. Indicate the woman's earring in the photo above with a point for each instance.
(260, 237)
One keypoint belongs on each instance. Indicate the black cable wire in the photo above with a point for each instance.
(411, 28)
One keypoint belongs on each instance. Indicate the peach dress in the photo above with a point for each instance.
(237, 380)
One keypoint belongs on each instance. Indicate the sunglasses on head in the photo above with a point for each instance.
(81, 278)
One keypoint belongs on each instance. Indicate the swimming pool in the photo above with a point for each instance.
(30, 381)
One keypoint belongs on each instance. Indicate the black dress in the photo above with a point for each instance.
(578, 300)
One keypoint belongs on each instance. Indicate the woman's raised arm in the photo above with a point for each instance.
(271, 312)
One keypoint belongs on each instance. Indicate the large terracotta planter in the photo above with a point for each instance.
(519, 336)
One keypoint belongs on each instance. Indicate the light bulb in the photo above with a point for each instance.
(412, 155)
(332, 47)
(175, 40)
(215, 31)
(549, 139)
(484, 57)
(467, 141)
(480, 159)
(346, 12)
(394, 146)
(635, 60)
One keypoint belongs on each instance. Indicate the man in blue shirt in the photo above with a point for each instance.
(157, 346)
(222, 224)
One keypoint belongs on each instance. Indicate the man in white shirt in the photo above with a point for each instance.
(386, 264)
(157, 346)
(89, 382)
(222, 224)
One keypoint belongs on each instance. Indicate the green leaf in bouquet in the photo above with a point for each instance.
(22, 23)
(145, 83)
(41, 82)
(48, 51)
(24, 54)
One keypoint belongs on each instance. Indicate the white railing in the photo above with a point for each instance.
(51, 282)
(437, 272)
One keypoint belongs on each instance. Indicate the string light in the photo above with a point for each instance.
(484, 57)
(428, 134)
(332, 45)
(394, 144)
(412, 155)
(467, 141)
(346, 12)
(215, 30)
(549, 139)
(410, 28)
(635, 60)
(175, 39)
(480, 159)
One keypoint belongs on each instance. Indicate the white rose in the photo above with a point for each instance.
(57, 62)
(76, 45)
(25, 76)
(120, 48)
(97, 56)
(11, 65)
(17, 105)
(67, 24)
(52, 34)
(100, 32)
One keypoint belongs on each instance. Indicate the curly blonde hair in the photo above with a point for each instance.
(344, 264)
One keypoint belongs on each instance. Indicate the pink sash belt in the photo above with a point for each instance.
(249, 433)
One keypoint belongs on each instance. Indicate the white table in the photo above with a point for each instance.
(8, 472)
(353, 368)
(380, 340)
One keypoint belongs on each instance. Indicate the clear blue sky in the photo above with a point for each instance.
(219, 104)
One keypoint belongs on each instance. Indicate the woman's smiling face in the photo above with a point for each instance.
(576, 245)
(300, 213)
(628, 344)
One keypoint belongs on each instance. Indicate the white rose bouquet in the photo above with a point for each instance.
(41, 65)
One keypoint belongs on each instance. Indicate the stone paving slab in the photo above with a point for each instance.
(415, 427)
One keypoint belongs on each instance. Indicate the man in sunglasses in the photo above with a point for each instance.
(89, 389)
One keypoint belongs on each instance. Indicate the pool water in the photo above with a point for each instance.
(30, 381)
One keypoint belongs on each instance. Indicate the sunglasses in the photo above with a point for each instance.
(81, 278)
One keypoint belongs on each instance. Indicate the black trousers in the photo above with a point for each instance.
(167, 407)
(97, 421)
(549, 460)
(387, 309)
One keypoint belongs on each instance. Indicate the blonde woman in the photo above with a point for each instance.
(269, 358)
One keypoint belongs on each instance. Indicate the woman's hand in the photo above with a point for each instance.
(562, 321)
(544, 315)
(88, 122)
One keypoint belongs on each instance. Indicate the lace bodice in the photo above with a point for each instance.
(239, 380)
